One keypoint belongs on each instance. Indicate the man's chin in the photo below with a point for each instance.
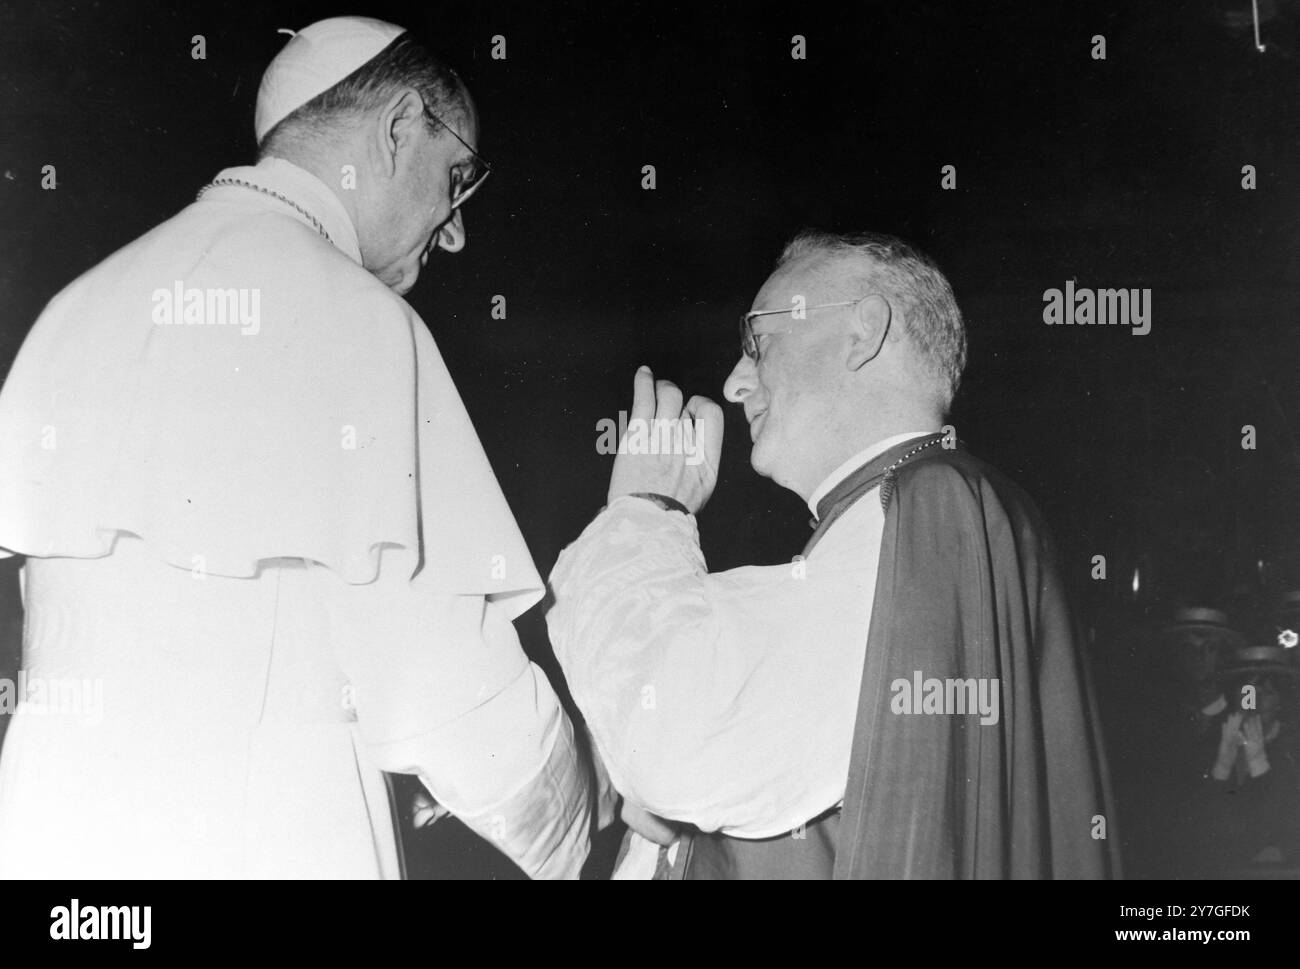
(766, 464)
(759, 460)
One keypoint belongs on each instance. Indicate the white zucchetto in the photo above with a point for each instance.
(315, 59)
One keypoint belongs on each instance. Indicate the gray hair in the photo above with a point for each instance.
(911, 281)
(404, 63)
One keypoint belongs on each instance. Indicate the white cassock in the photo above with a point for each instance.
(726, 700)
(276, 549)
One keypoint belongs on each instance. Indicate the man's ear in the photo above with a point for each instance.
(868, 329)
(399, 125)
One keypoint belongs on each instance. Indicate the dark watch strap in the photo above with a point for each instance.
(663, 501)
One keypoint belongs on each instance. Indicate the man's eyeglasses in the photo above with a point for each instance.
(462, 187)
(749, 342)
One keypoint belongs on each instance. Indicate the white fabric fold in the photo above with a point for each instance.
(330, 430)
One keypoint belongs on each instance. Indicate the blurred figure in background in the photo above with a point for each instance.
(1175, 704)
(1252, 788)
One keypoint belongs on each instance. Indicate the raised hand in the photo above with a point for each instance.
(668, 449)
(1252, 732)
(1230, 741)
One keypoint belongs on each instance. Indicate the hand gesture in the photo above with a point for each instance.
(668, 449)
(1230, 740)
(1252, 732)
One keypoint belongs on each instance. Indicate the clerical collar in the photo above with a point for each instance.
(855, 462)
(297, 192)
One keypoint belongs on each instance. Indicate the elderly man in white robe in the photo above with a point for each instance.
(261, 528)
(760, 707)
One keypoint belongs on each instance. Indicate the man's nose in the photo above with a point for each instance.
(451, 236)
(741, 381)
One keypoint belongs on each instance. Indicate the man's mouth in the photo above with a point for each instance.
(754, 423)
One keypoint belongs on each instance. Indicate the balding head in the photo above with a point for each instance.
(856, 263)
(859, 339)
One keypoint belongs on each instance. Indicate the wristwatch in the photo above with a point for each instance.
(663, 501)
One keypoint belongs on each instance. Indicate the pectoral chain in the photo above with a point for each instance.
(240, 183)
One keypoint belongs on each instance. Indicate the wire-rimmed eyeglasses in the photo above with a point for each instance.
(749, 341)
(461, 187)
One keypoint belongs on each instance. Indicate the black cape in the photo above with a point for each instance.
(968, 587)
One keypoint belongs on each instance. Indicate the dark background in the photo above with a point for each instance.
(1117, 173)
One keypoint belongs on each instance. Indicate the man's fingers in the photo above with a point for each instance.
(425, 810)
(643, 394)
(702, 408)
(647, 825)
(668, 406)
(709, 424)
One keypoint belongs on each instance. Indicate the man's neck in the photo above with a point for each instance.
(328, 167)
(850, 437)
(861, 457)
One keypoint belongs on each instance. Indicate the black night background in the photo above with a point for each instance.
(1122, 172)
